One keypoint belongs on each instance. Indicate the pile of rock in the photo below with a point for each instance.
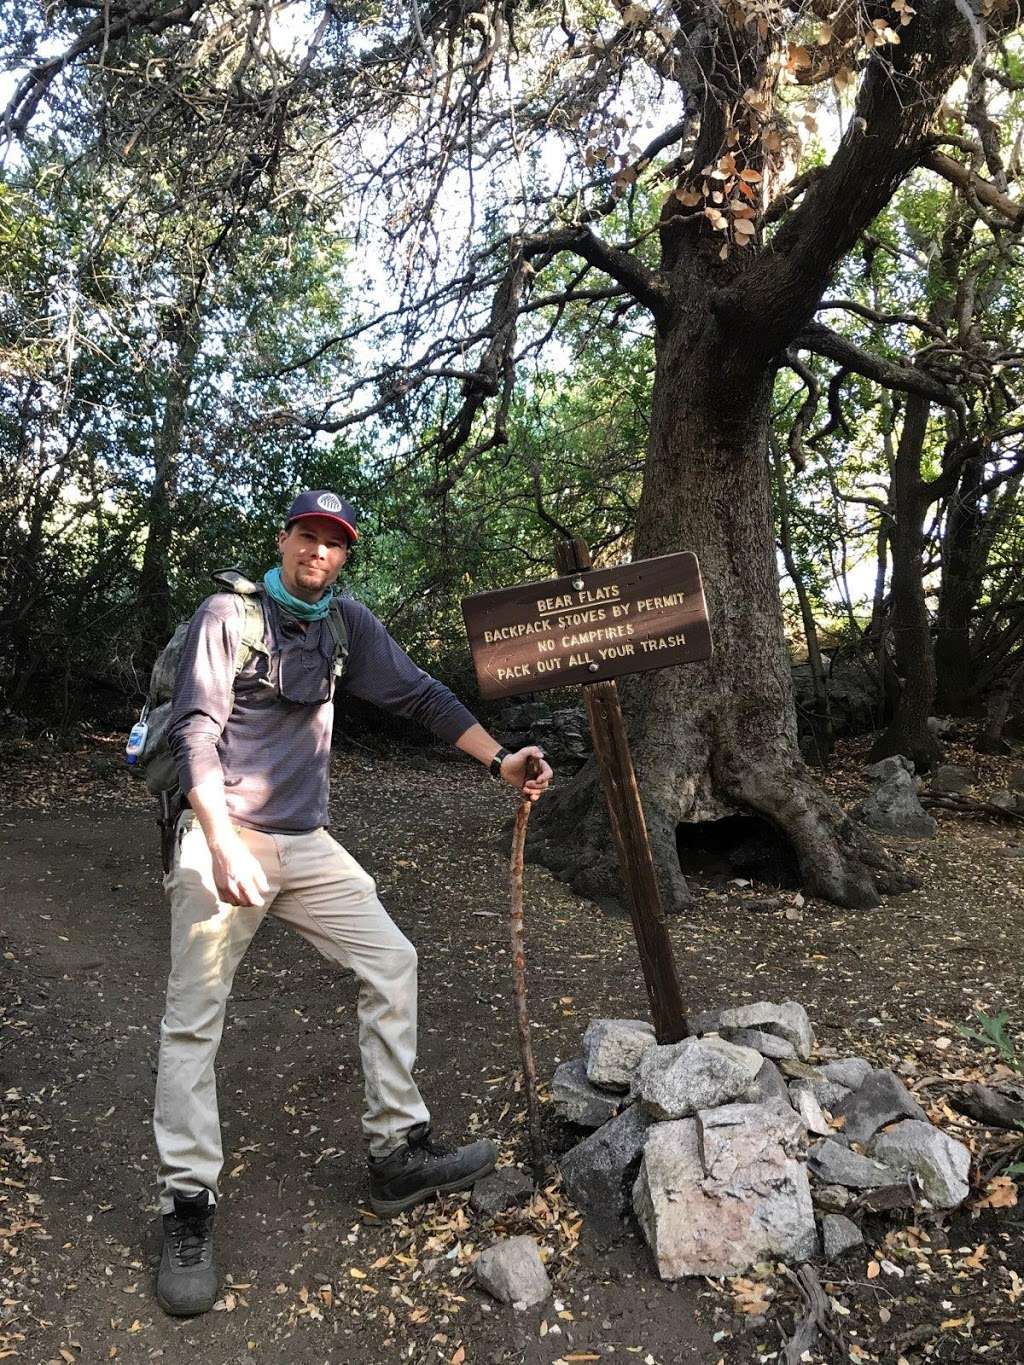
(730, 1146)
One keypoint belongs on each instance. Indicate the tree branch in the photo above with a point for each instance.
(889, 374)
(974, 186)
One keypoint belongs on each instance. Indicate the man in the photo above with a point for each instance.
(253, 753)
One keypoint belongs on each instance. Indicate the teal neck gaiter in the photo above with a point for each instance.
(305, 611)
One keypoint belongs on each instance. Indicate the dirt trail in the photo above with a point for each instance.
(316, 1278)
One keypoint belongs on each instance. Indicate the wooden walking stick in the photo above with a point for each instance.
(519, 981)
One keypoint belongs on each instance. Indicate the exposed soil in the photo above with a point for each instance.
(311, 1275)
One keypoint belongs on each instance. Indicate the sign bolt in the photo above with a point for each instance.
(592, 668)
(577, 583)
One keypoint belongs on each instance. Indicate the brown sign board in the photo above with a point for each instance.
(586, 627)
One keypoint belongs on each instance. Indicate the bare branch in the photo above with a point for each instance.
(889, 374)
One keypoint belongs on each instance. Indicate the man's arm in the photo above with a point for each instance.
(237, 875)
(482, 746)
(203, 698)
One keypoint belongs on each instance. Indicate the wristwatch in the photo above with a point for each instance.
(495, 764)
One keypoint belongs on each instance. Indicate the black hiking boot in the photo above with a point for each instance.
(421, 1168)
(187, 1280)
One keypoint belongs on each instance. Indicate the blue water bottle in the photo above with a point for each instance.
(137, 739)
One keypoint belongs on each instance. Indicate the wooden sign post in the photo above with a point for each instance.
(589, 627)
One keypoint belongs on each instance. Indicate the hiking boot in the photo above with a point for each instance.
(422, 1167)
(187, 1280)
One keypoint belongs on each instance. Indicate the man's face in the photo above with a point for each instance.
(313, 553)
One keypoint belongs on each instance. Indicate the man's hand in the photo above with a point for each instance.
(237, 875)
(513, 771)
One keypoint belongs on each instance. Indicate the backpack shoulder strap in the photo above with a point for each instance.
(336, 625)
(254, 623)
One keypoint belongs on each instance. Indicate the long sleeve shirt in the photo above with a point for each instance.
(273, 754)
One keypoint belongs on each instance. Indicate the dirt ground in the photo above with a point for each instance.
(311, 1276)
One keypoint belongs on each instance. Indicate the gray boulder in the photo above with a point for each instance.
(894, 808)
(886, 768)
(612, 1049)
(950, 777)
(848, 1071)
(721, 1191)
(513, 1272)
(698, 1073)
(940, 1163)
(788, 1020)
(768, 1044)
(500, 1190)
(1015, 781)
(881, 1098)
(573, 1097)
(829, 1094)
(597, 1172)
(839, 1235)
(1006, 800)
(769, 1087)
(834, 1164)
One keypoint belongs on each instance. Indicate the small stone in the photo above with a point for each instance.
(831, 1198)
(698, 1073)
(940, 1163)
(880, 1099)
(768, 1044)
(839, 1235)
(769, 1087)
(500, 1190)
(849, 1071)
(598, 1171)
(835, 1164)
(1005, 800)
(829, 1094)
(787, 1020)
(612, 1049)
(809, 1109)
(574, 1099)
(513, 1272)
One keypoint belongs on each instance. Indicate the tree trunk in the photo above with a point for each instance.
(908, 731)
(716, 739)
(156, 621)
(821, 736)
(958, 596)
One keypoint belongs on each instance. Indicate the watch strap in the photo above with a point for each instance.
(494, 766)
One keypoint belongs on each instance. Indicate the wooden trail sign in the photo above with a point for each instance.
(515, 631)
(588, 625)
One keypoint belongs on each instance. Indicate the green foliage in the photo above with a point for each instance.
(993, 1035)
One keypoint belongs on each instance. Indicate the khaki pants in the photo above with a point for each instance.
(320, 890)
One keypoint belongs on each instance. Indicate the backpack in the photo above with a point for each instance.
(154, 761)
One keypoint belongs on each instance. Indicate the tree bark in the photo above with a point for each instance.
(907, 732)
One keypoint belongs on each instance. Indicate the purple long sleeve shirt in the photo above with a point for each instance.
(274, 754)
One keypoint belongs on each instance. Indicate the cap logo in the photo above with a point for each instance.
(330, 502)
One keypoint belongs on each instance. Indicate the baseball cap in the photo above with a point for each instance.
(320, 502)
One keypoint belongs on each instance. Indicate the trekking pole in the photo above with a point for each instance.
(519, 981)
